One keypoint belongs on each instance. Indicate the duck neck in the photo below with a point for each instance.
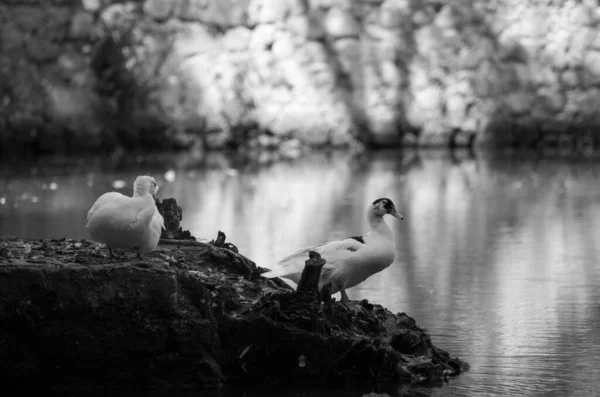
(140, 191)
(378, 225)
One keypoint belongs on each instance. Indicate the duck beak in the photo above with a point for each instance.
(396, 215)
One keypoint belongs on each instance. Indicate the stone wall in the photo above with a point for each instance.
(178, 73)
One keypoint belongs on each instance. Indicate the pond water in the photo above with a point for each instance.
(498, 255)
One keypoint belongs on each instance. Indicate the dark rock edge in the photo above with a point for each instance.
(191, 316)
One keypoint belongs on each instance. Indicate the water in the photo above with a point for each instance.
(498, 256)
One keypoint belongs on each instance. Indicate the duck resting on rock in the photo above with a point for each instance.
(125, 222)
(352, 260)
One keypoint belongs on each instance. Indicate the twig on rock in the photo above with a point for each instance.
(309, 281)
(219, 242)
(326, 294)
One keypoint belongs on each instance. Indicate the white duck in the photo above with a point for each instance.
(120, 221)
(352, 260)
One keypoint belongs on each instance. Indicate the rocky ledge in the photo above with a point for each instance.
(191, 315)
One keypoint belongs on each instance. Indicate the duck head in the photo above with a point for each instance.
(383, 206)
(144, 184)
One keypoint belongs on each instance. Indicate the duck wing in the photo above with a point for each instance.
(333, 252)
(152, 231)
(104, 201)
(121, 221)
(146, 215)
(158, 221)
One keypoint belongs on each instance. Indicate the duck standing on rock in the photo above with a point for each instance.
(352, 260)
(120, 221)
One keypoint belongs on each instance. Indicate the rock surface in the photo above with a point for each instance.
(189, 316)
(223, 73)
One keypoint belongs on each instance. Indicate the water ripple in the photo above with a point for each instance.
(497, 258)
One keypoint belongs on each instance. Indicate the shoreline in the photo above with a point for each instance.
(188, 316)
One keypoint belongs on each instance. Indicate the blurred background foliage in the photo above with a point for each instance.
(101, 75)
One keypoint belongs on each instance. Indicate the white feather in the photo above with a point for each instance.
(349, 261)
(120, 221)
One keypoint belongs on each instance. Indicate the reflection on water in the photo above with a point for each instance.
(497, 256)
